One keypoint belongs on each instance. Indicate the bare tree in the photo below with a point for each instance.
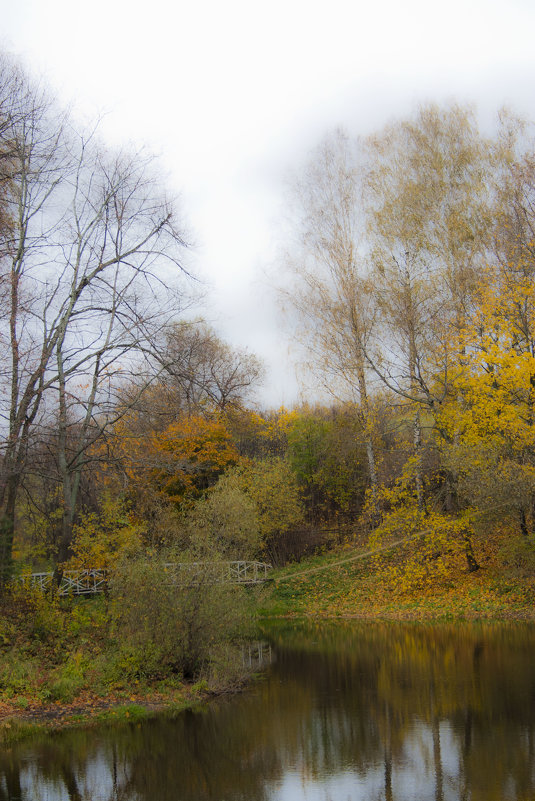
(90, 258)
(206, 370)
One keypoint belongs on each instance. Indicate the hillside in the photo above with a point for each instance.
(351, 582)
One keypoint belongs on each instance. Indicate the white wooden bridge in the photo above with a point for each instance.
(91, 582)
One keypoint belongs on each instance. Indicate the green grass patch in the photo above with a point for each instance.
(13, 731)
(131, 713)
(338, 585)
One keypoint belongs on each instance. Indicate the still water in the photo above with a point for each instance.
(345, 712)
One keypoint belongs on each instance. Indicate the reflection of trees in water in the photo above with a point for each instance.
(454, 705)
(201, 755)
(477, 682)
(76, 765)
(10, 786)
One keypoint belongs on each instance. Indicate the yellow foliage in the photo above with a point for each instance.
(189, 455)
(178, 463)
(99, 540)
(435, 543)
(494, 390)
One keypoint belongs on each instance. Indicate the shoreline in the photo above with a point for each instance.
(18, 723)
(21, 718)
(423, 615)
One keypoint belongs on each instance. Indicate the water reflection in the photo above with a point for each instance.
(346, 712)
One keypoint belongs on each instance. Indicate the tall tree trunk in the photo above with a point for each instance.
(368, 426)
(65, 473)
(523, 523)
(415, 389)
(12, 469)
(417, 442)
(7, 531)
(466, 533)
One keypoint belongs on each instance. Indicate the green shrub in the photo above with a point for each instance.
(175, 627)
(32, 614)
(66, 682)
(224, 520)
(19, 673)
(132, 662)
(87, 618)
(519, 553)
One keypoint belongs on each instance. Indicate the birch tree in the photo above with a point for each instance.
(428, 211)
(329, 291)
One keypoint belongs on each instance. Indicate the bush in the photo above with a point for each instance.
(19, 674)
(29, 614)
(176, 627)
(68, 680)
(224, 520)
(271, 487)
(518, 553)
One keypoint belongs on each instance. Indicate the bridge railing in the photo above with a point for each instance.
(91, 582)
(73, 582)
(238, 572)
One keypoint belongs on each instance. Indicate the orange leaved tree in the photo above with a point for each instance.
(189, 456)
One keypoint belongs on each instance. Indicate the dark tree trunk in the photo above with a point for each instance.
(7, 530)
(523, 523)
(471, 560)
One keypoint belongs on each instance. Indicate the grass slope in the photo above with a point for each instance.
(329, 586)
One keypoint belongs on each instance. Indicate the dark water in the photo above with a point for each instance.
(346, 712)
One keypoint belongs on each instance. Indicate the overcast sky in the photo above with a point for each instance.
(235, 94)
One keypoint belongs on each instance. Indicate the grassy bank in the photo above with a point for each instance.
(18, 722)
(74, 660)
(66, 661)
(347, 583)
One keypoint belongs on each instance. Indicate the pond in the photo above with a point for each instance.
(345, 712)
